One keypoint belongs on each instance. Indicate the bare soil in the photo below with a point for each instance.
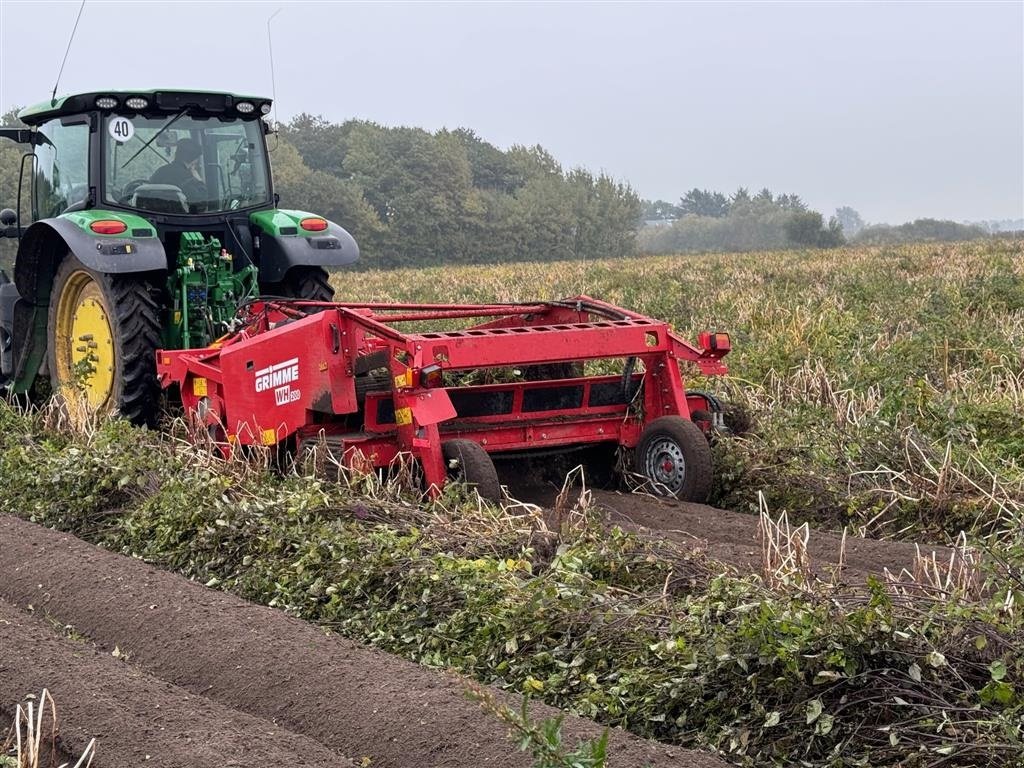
(219, 649)
(135, 718)
(732, 537)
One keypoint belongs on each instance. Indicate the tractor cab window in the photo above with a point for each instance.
(61, 175)
(185, 164)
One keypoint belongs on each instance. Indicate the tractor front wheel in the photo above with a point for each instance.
(468, 463)
(673, 455)
(102, 335)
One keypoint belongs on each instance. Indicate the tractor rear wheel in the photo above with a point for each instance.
(468, 463)
(674, 456)
(102, 335)
(309, 283)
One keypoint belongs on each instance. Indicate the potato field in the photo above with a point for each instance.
(876, 394)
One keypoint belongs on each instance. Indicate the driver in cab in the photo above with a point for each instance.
(183, 173)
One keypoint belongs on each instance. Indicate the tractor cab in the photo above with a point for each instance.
(166, 196)
(184, 165)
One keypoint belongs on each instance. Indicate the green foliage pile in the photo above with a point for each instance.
(859, 368)
(627, 630)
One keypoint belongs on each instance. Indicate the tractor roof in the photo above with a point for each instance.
(162, 101)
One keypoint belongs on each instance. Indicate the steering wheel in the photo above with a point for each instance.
(129, 189)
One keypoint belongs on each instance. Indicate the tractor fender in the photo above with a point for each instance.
(334, 247)
(48, 241)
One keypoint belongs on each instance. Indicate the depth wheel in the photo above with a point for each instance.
(102, 335)
(674, 456)
(308, 283)
(468, 463)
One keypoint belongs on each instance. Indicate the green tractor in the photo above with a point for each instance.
(154, 218)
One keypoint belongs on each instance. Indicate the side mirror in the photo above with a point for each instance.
(8, 221)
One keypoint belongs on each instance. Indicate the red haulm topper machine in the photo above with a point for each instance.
(343, 374)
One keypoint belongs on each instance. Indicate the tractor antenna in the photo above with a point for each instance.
(53, 96)
(270, 48)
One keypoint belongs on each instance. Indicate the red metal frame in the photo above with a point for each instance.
(289, 373)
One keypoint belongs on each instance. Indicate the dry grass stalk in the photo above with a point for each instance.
(573, 506)
(26, 737)
(784, 557)
(959, 578)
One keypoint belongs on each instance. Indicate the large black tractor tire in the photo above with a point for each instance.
(469, 463)
(309, 283)
(102, 335)
(674, 458)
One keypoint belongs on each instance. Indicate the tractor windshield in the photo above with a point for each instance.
(185, 163)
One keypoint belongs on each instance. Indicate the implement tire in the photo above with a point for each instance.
(468, 463)
(674, 457)
(102, 335)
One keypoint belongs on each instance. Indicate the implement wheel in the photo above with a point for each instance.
(468, 463)
(674, 456)
(102, 335)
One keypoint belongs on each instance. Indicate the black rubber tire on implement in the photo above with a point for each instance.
(469, 463)
(134, 319)
(701, 415)
(309, 283)
(674, 456)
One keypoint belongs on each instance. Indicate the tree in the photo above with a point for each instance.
(339, 200)
(701, 202)
(322, 144)
(491, 168)
(849, 220)
(10, 169)
(740, 197)
(658, 210)
(790, 203)
(807, 228)
(833, 236)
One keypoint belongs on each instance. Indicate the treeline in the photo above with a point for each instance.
(919, 231)
(414, 197)
(10, 165)
(704, 220)
(711, 221)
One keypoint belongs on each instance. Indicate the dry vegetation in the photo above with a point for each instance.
(886, 383)
(32, 740)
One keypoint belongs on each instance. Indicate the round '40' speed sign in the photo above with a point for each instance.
(121, 129)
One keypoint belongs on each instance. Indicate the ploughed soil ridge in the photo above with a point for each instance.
(244, 665)
(136, 719)
(732, 537)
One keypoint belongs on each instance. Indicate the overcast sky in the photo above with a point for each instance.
(899, 110)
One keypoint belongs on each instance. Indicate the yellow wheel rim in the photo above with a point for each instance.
(84, 342)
